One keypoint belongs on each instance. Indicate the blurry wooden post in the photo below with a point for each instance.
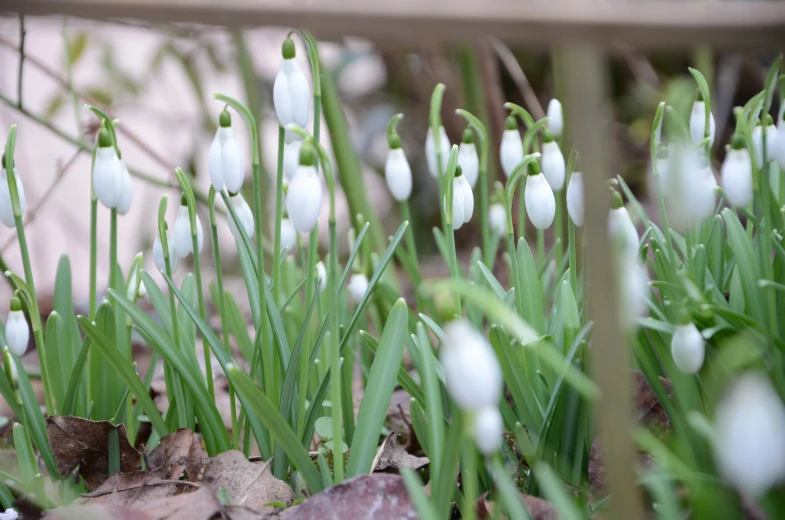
(583, 71)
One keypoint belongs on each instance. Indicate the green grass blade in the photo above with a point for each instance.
(56, 343)
(404, 379)
(422, 504)
(63, 304)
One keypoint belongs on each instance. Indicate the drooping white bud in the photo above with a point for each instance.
(497, 219)
(705, 202)
(107, 175)
(127, 191)
(468, 198)
(771, 140)
(471, 370)
(182, 233)
(6, 209)
(540, 201)
(321, 275)
(621, 230)
(749, 433)
(488, 430)
(778, 151)
(511, 150)
(555, 118)
(291, 92)
(225, 160)
(575, 202)
(634, 291)
(430, 152)
(304, 198)
(468, 159)
(358, 284)
(244, 215)
(291, 157)
(457, 203)
(158, 253)
(398, 174)
(17, 332)
(736, 174)
(553, 166)
(132, 292)
(698, 123)
(688, 348)
(288, 235)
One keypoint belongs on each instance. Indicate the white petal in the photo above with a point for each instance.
(430, 151)
(771, 143)
(555, 119)
(488, 430)
(291, 95)
(688, 348)
(398, 174)
(288, 235)
(472, 372)
(182, 233)
(457, 204)
(540, 201)
(468, 199)
(575, 202)
(705, 194)
(282, 96)
(126, 192)
(304, 199)
(17, 333)
(553, 166)
(621, 229)
(469, 162)
(698, 123)
(10, 513)
(321, 275)
(511, 151)
(736, 175)
(232, 163)
(634, 289)
(357, 287)
(244, 215)
(6, 210)
(779, 146)
(158, 253)
(497, 219)
(214, 162)
(107, 177)
(291, 158)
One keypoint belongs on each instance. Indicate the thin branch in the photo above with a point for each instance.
(22, 33)
(639, 65)
(69, 79)
(515, 70)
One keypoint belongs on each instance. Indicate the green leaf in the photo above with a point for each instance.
(556, 494)
(34, 420)
(76, 47)
(53, 106)
(70, 404)
(493, 283)
(54, 337)
(63, 304)
(424, 507)
(533, 306)
(378, 391)
(404, 379)
(746, 263)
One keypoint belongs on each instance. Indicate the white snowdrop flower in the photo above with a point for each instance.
(6, 208)
(511, 150)
(304, 196)
(634, 291)
(750, 435)
(107, 172)
(705, 202)
(158, 253)
(397, 171)
(462, 200)
(555, 118)
(771, 140)
(575, 202)
(687, 347)
(225, 160)
(288, 235)
(291, 92)
(430, 152)
(468, 196)
(244, 215)
(778, 150)
(553, 167)
(620, 227)
(291, 157)
(17, 332)
(127, 191)
(468, 159)
(488, 429)
(10, 513)
(321, 275)
(357, 286)
(497, 219)
(472, 372)
(132, 291)
(539, 198)
(688, 190)
(698, 121)
(182, 232)
(736, 173)
(663, 169)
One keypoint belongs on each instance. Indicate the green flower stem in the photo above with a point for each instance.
(435, 122)
(654, 145)
(411, 248)
(278, 213)
(558, 223)
(35, 317)
(449, 232)
(540, 247)
(113, 248)
(93, 244)
(469, 472)
(222, 311)
(572, 247)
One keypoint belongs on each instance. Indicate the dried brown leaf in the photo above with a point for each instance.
(135, 488)
(539, 509)
(79, 442)
(392, 456)
(179, 452)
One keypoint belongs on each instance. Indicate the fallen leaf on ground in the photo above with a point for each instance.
(539, 509)
(247, 483)
(177, 453)
(392, 456)
(79, 442)
(97, 512)
(380, 495)
(137, 487)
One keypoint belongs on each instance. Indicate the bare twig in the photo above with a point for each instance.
(69, 79)
(21, 59)
(640, 67)
(515, 70)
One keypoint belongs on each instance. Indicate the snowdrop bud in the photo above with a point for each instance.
(107, 172)
(321, 275)
(705, 186)
(497, 219)
(430, 152)
(575, 204)
(749, 432)
(291, 92)
(634, 291)
(244, 215)
(14, 372)
(17, 333)
(687, 346)
(291, 157)
(553, 167)
(357, 287)
(511, 151)
(471, 370)
(182, 232)
(457, 202)
(555, 119)
(736, 173)
(225, 159)
(620, 227)
(158, 253)
(698, 121)
(540, 202)
(132, 292)
(288, 235)
(6, 208)
(771, 139)
(127, 191)
(468, 195)
(397, 171)
(488, 430)
(304, 197)
(778, 151)
(468, 159)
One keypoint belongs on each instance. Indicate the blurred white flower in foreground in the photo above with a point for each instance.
(321, 275)
(497, 219)
(736, 173)
(472, 372)
(357, 286)
(687, 347)
(488, 430)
